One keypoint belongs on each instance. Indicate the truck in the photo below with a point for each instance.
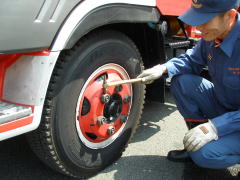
(55, 56)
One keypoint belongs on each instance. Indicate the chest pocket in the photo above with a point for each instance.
(231, 77)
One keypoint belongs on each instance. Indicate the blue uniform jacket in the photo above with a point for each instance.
(223, 63)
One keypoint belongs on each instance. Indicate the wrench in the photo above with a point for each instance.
(127, 81)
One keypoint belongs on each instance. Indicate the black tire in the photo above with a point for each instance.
(56, 141)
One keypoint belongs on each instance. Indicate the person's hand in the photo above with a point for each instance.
(151, 74)
(199, 136)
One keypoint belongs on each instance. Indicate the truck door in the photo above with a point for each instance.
(33, 22)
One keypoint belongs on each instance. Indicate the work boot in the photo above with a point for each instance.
(179, 156)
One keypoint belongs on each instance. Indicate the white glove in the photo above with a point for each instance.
(151, 74)
(199, 136)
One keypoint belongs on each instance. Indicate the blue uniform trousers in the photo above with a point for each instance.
(195, 99)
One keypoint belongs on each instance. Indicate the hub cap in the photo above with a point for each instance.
(99, 115)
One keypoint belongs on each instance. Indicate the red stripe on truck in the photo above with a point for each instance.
(16, 124)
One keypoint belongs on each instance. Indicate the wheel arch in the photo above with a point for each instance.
(74, 29)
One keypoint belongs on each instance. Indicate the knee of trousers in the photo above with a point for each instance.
(183, 84)
(205, 158)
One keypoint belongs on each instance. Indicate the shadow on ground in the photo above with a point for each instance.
(19, 163)
(159, 168)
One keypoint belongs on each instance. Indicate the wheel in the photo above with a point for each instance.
(85, 128)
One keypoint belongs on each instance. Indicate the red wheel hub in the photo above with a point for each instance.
(98, 119)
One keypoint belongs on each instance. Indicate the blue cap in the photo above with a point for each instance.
(203, 11)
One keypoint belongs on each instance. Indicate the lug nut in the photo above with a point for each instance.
(118, 88)
(101, 120)
(126, 99)
(105, 98)
(123, 119)
(111, 130)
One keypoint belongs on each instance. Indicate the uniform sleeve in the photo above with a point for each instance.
(192, 62)
(227, 123)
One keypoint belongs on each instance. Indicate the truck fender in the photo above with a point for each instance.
(89, 15)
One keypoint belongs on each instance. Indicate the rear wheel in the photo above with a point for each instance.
(84, 128)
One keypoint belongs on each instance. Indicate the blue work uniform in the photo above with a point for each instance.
(218, 100)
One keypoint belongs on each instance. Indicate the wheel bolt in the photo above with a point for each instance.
(126, 99)
(105, 98)
(111, 130)
(123, 119)
(101, 120)
(118, 88)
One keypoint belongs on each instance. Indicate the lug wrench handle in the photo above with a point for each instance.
(127, 81)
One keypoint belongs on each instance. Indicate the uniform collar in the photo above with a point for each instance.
(228, 43)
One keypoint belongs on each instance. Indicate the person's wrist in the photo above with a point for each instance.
(214, 129)
(161, 68)
(164, 69)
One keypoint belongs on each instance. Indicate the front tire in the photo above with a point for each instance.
(81, 131)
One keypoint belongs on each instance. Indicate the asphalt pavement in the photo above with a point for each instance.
(161, 129)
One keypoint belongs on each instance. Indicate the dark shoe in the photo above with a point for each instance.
(179, 156)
